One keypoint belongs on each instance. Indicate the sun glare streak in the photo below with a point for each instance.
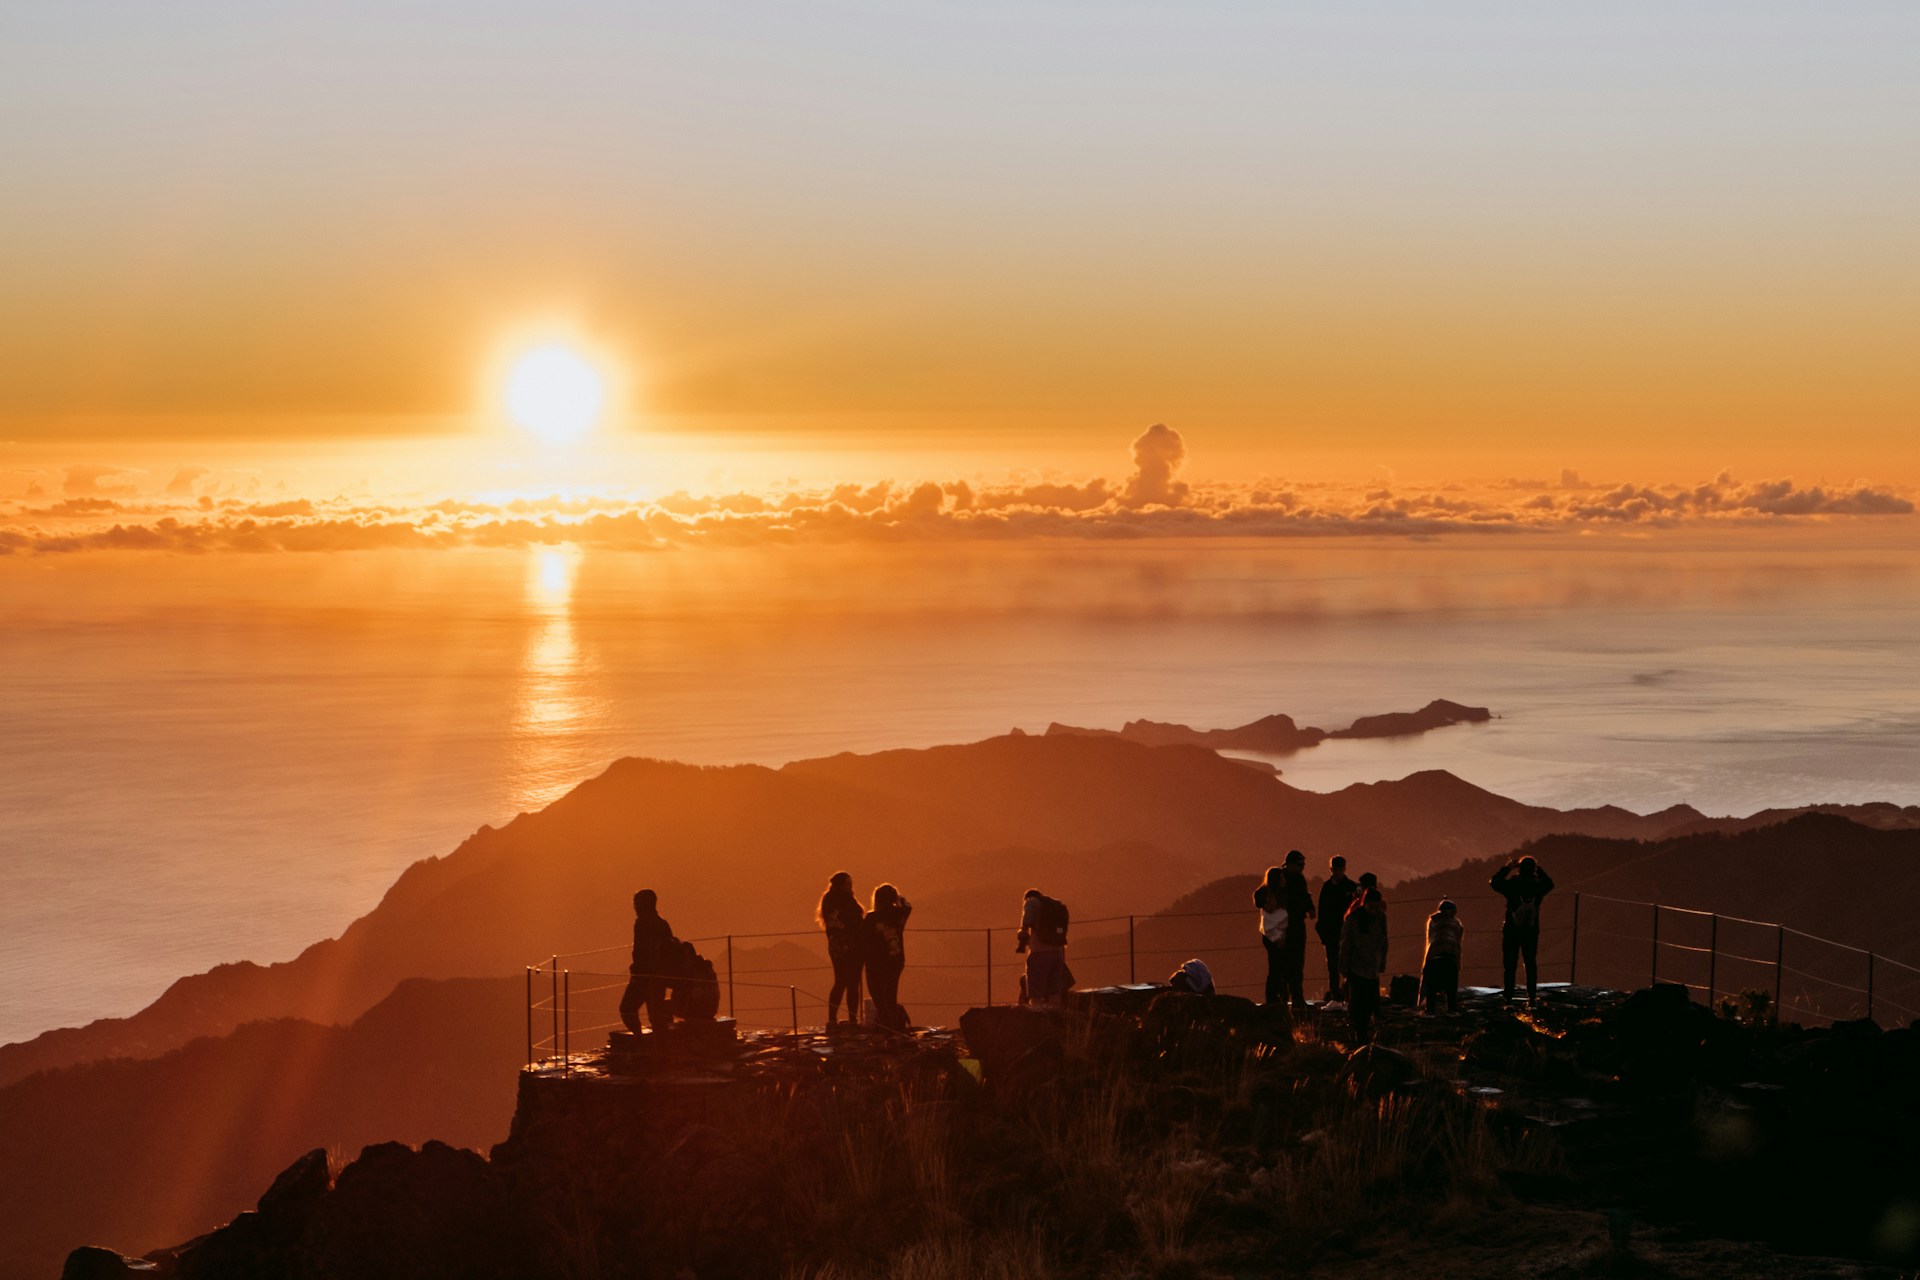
(553, 709)
(550, 584)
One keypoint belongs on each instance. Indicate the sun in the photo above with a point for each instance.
(555, 393)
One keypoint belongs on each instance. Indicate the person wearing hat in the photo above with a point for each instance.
(1440, 967)
(1299, 904)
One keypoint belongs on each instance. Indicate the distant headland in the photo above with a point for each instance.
(1280, 735)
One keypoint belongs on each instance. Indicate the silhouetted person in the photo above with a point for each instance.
(1193, 977)
(840, 915)
(655, 952)
(1299, 911)
(1367, 881)
(1043, 936)
(1440, 967)
(1523, 884)
(1275, 924)
(694, 987)
(886, 926)
(1363, 957)
(1336, 895)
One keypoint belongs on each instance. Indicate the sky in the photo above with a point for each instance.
(1472, 242)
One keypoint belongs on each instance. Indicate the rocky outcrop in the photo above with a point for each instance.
(1279, 735)
(808, 1148)
(1438, 714)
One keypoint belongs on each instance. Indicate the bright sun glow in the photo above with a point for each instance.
(555, 393)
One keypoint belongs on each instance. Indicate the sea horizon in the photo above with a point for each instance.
(228, 758)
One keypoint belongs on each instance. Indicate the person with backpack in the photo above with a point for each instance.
(886, 926)
(1043, 937)
(843, 919)
(1523, 884)
(1336, 895)
(1270, 897)
(1440, 966)
(1363, 958)
(655, 955)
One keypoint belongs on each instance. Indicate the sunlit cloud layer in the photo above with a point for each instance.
(102, 508)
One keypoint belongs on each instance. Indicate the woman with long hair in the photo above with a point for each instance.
(887, 954)
(840, 915)
(1271, 899)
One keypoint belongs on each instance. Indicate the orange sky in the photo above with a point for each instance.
(1650, 244)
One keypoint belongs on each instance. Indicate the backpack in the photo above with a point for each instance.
(1050, 921)
(1526, 913)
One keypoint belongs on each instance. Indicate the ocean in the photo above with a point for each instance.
(224, 757)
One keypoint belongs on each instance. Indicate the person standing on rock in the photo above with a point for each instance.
(1270, 896)
(654, 957)
(1523, 884)
(1363, 958)
(1336, 895)
(1043, 937)
(1299, 910)
(840, 915)
(1440, 967)
(886, 926)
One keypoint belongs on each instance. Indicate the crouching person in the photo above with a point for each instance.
(1193, 977)
(695, 995)
(1440, 968)
(1363, 958)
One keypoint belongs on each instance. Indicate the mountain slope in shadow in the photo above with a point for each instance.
(1821, 874)
(162, 1149)
(745, 849)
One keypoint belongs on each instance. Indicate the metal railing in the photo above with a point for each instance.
(1601, 941)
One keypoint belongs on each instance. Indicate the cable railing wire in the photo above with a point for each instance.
(556, 1003)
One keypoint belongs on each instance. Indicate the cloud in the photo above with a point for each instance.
(1157, 456)
(83, 480)
(1723, 496)
(181, 486)
(1152, 502)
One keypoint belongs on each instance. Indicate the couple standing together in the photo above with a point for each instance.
(1286, 905)
(869, 941)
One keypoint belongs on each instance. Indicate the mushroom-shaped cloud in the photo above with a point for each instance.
(1157, 456)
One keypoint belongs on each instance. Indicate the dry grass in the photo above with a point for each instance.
(1102, 1176)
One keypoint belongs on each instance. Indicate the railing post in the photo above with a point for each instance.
(1869, 984)
(529, 1015)
(1132, 975)
(730, 976)
(554, 1000)
(793, 998)
(989, 968)
(1713, 958)
(1655, 977)
(566, 1023)
(1779, 966)
(1573, 955)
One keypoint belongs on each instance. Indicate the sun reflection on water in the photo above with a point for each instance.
(553, 710)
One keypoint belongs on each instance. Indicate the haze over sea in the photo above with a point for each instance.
(229, 757)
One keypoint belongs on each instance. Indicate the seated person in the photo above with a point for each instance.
(694, 990)
(1193, 976)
